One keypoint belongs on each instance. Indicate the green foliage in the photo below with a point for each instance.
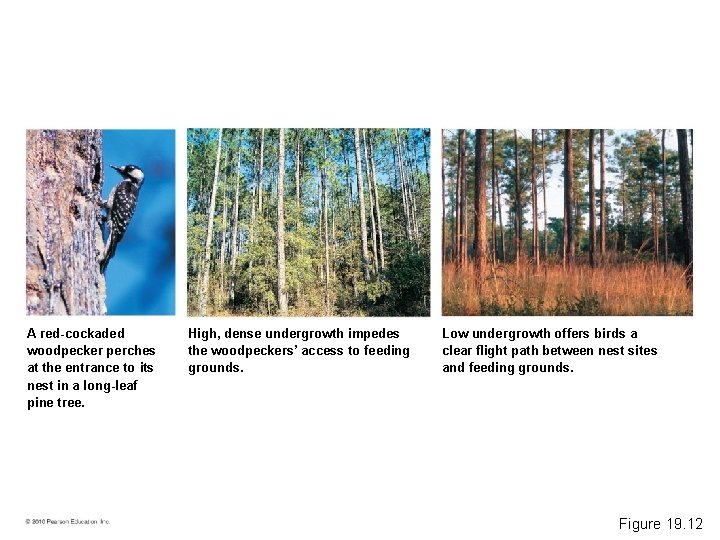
(248, 284)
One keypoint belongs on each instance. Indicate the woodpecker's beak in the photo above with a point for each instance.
(118, 169)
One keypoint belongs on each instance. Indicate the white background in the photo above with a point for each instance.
(364, 447)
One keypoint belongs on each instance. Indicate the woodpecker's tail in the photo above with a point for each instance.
(109, 254)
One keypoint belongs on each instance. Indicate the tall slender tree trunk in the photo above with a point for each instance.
(568, 237)
(324, 195)
(442, 176)
(686, 202)
(223, 234)
(413, 185)
(371, 195)
(203, 300)
(544, 187)
(603, 194)
(233, 259)
(664, 203)
(282, 294)
(464, 236)
(480, 199)
(361, 202)
(458, 195)
(260, 173)
(403, 187)
(298, 133)
(499, 209)
(533, 176)
(591, 195)
(654, 213)
(623, 204)
(518, 207)
(462, 202)
(492, 198)
(378, 214)
(348, 182)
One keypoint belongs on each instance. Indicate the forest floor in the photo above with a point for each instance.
(613, 289)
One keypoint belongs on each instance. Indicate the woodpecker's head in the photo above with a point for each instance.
(132, 173)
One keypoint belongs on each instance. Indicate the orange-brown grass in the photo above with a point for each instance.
(637, 288)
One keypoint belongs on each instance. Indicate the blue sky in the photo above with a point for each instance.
(141, 277)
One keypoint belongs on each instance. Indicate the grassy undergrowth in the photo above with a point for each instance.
(613, 289)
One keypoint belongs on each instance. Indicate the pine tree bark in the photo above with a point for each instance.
(664, 202)
(236, 210)
(518, 207)
(371, 195)
(442, 176)
(536, 235)
(603, 196)
(591, 195)
(568, 236)
(456, 209)
(492, 198)
(460, 203)
(378, 214)
(544, 187)
(203, 300)
(403, 188)
(686, 202)
(63, 239)
(361, 203)
(324, 196)
(223, 233)
(499, 209)
(282, 294)
(480, 199)
(297, 177)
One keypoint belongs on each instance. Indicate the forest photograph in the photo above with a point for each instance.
(308, 222)
(567, 222)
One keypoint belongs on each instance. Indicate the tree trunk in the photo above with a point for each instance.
(458, 195)
(282, 295)
(654, 213)
(297, 177)
(480, 199)
(686, 202)
(664, 203)
(371, 195)
(412, 186)
(223, 234)
(536, 235)
(623, 200)
(461, 198)
(492, 198)
(603, 194)
(499, 209)
(568, 236)
(591, 195)
(518, 207)
(233, 259)
(208, 240)
(464, 236)
(260, 173)
(62, 238)
(324, 198)
(361, 203)
(378, 214)
(404, 188)
(442, 176)
(545, 230)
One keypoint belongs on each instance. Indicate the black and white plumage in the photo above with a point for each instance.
(120, 207)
